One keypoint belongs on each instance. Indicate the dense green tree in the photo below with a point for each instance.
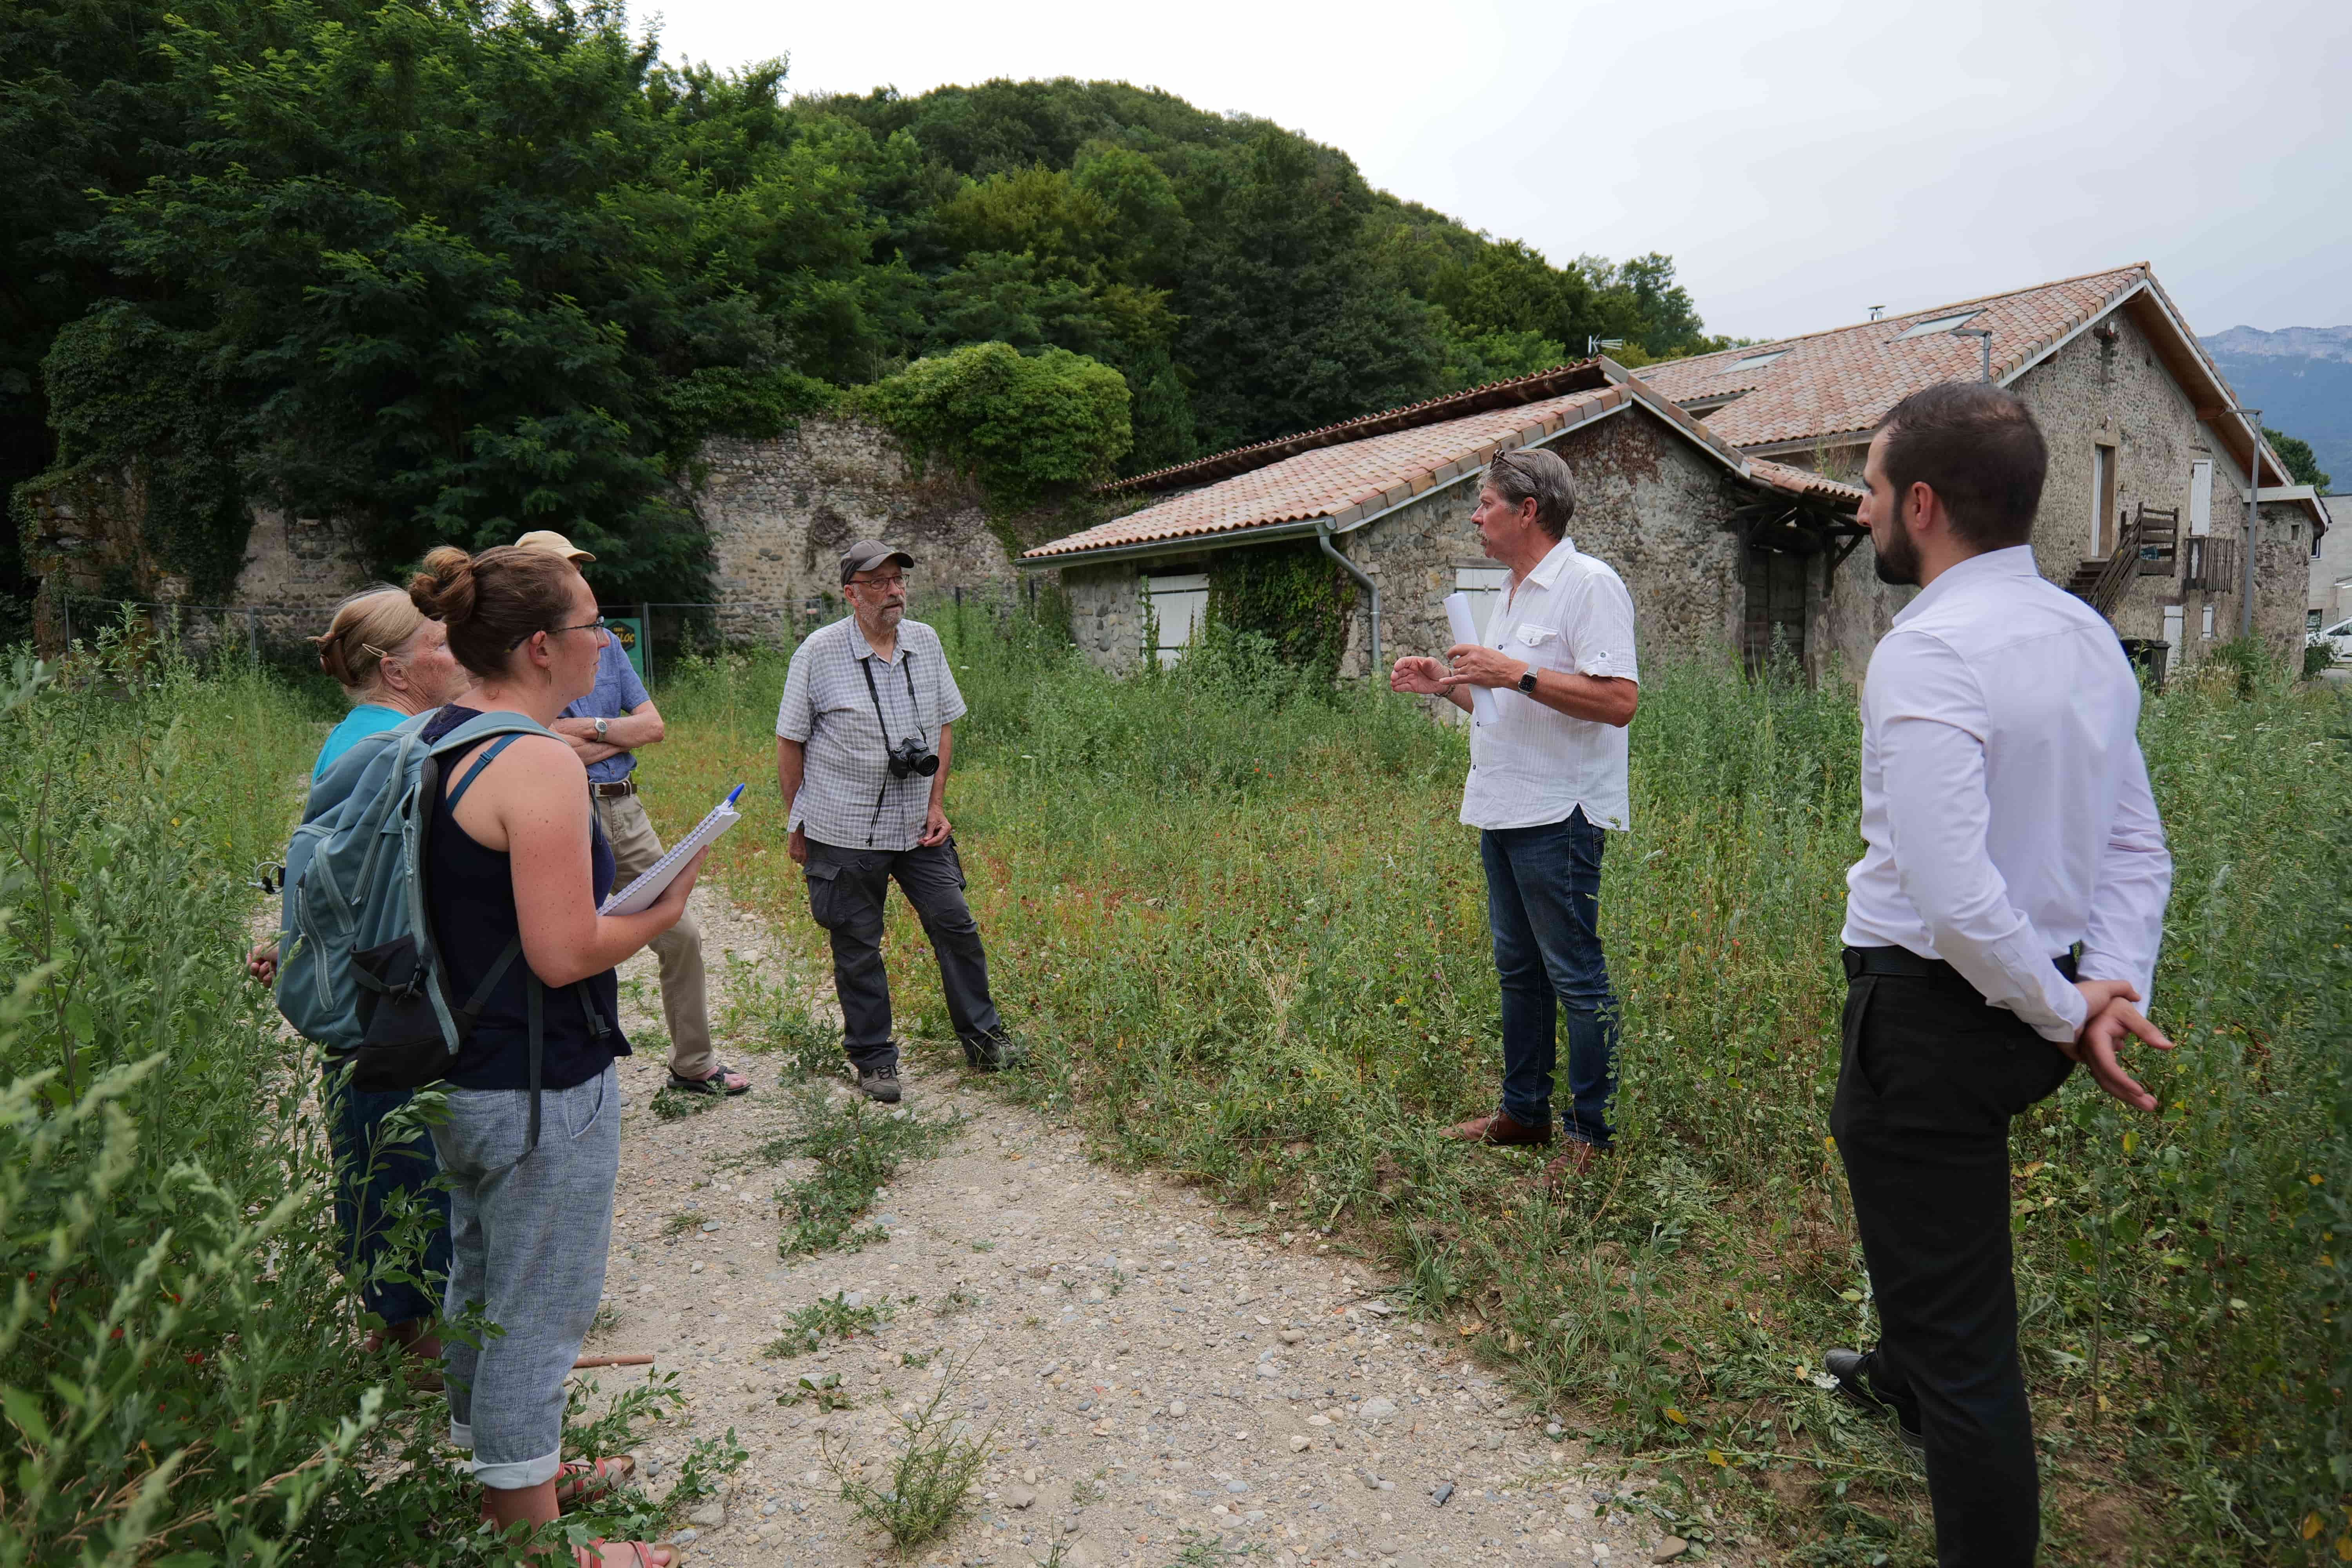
(2302, 464)
(453, 268)
(1288, 322)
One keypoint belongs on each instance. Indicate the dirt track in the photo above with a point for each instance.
(1157, 1384)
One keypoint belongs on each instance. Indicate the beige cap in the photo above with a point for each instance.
(555, 543)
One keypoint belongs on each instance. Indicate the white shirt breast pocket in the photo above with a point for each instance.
(1538, 645)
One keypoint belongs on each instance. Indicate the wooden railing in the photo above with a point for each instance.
(2107, 589)
(2212, 565)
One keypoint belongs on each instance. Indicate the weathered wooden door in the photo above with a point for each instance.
(1776, 606)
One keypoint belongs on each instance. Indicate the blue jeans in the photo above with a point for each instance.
(368, 1171)
(1543, 903)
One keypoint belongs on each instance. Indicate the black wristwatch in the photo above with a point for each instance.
(1527, 681)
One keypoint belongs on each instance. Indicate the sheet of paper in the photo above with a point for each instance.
(640, 895)
(1465, 627)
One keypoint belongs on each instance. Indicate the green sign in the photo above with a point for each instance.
(629, 631)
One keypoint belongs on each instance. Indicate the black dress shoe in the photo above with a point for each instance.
(1852, 1371)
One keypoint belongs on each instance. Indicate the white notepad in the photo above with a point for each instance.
(1465, 629)
(641, 894)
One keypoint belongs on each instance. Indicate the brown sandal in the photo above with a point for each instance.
(580, 1479)
(641, 1555)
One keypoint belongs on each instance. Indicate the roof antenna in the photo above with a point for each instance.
(1876, 312)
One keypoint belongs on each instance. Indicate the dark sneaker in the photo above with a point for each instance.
(1852, 1371)
(879, 1083)
(992, 1056)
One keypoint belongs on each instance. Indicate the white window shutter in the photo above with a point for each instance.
(1180, 603)
(2201, 497)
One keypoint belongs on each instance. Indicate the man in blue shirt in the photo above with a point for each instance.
(606, 727)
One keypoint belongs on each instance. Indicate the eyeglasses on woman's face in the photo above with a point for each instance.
(600, 626)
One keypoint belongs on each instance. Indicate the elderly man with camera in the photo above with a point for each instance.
(863, 742)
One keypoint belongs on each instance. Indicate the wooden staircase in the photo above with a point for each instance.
(2145, 547)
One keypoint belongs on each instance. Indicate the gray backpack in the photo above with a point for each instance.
(359, 971)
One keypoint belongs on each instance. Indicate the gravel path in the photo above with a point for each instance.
(1160, 1388)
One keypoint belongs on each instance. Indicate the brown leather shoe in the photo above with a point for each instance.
(1577, 1161)
(1499, 1128)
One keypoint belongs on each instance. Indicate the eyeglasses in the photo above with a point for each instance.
(884, 583)
(600, 626)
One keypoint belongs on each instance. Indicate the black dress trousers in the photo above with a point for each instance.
(1928, 1078)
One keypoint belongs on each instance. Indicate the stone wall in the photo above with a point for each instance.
(1647, 503)
(780, 511)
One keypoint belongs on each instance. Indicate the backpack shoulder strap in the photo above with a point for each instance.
(490, 754)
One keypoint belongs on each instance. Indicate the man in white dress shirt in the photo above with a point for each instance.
(1545, 777)
(2002, 920)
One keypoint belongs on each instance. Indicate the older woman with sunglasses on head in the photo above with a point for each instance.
(515, 856)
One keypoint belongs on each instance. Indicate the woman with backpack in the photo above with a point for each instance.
(514, 854)
(393, 664)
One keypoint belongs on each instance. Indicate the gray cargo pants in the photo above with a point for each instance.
(846, 888)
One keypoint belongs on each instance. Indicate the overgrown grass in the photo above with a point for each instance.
(1246, 933)
(180, 1368)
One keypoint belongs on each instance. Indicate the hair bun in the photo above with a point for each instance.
(445, 589)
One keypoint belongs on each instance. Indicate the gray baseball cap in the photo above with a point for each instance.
(868, 553)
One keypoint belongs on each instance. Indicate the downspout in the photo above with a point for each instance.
(1323, 538)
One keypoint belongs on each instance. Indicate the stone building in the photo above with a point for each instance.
(2148, 449)
(2328, 600)
(1718, 549)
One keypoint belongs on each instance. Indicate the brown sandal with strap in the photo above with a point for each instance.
(641, 1555)
(581, 1480)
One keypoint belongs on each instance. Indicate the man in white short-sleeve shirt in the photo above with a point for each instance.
(864, 735)
(1546, 775)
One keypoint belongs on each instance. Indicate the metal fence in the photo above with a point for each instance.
(280, 634)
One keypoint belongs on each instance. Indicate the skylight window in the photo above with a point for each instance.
(1938, 324)
(1757, 362)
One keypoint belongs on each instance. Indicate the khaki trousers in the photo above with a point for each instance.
(685, 1001)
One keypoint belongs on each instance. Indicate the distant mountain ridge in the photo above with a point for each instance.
(2287, 342)
(2301, 378)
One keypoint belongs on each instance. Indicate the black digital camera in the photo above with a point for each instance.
(911, 756)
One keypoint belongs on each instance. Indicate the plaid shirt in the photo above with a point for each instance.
(847, 798)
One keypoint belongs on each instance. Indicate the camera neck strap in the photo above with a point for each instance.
(914, 708)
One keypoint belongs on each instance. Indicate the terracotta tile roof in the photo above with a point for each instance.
(1803, 482)
(1843, 380)
(1345, 481)
(1350, 480)
(1517, 391)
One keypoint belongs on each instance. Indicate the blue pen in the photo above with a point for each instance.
(732, 796)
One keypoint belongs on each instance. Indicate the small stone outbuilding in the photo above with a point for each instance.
(1719, 549)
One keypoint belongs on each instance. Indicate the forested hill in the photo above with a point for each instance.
(455, 268)
(1246, 280)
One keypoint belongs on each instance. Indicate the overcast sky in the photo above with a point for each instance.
(1802, 159)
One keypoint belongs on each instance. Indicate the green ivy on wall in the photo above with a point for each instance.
(1294, 595)
(133, 398)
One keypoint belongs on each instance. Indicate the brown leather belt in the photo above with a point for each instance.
(616, 789)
